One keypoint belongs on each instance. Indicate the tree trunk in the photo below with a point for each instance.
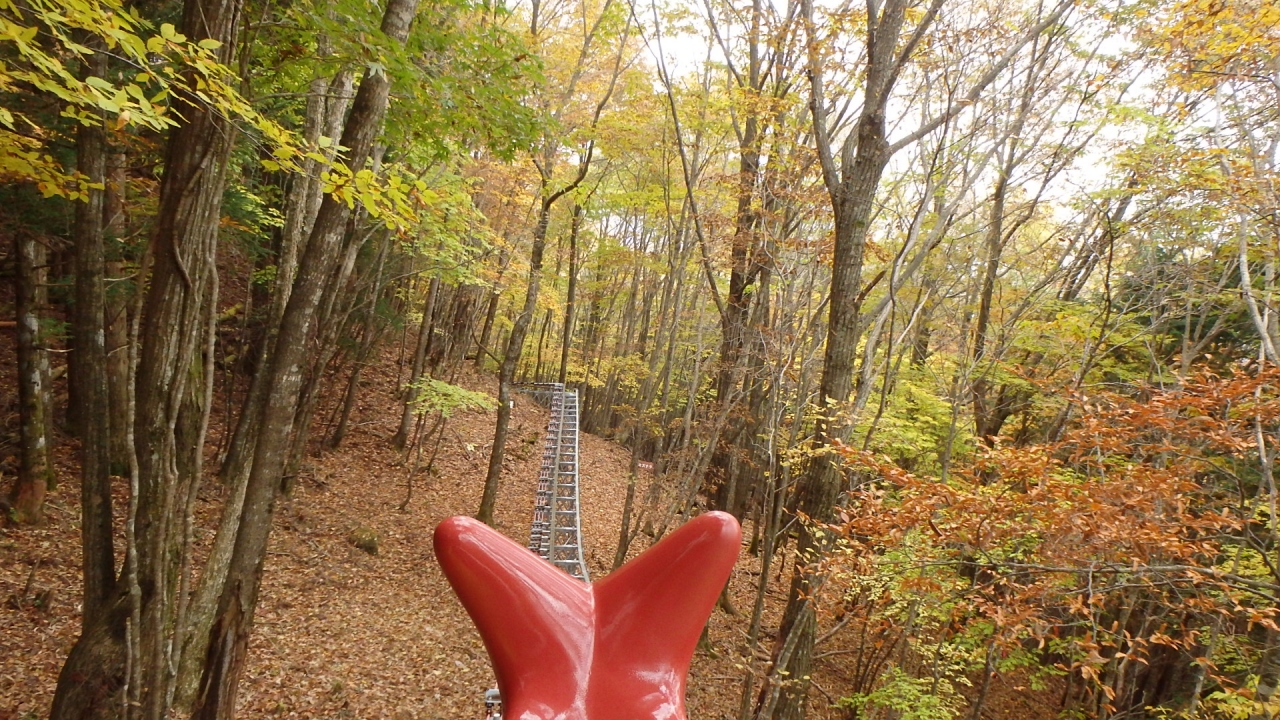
(173, 324)
(326, 114)
(988, 671)
(490, 313)
(369, 337)
(989, 418)
(570, 305)
(419, 361)
(117, 319)
(852, 190)
(746, 220)
(511, 358)
(464, 320)
(515, 342)
(536, 375)
(90, 377)
(1268, 667)
(94, 673)
(325, 348)
(172, 327)
(229, 636)
(820, 486)
(31, 293)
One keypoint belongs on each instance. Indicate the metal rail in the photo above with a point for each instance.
(556, 533)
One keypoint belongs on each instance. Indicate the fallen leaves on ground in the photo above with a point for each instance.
(340, 632)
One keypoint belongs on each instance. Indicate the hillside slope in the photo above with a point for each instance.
(341, 632)
(344, 633)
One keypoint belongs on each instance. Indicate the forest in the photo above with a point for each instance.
(968, 311)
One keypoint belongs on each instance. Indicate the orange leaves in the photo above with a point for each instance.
(1121, 538)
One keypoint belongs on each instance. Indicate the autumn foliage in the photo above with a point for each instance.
(1125, 552)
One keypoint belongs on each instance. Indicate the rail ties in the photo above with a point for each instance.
(556, 532)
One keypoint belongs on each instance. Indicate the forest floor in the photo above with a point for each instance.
(341, 632)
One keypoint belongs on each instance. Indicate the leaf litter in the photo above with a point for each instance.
(341, 632)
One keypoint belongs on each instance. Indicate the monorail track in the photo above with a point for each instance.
(556, 533)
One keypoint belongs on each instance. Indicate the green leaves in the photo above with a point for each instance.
(45, 39)
(912, 698)
(437, 396)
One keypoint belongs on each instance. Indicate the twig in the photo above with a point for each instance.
(822, 690)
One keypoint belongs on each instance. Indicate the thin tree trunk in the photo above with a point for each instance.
(329, 324)
(172, 324)
(419, 361)
(326, 114)
(370, 336)
(511, 357)
(571, 295)
(90, 378)
(34, 470)
(542, 343)
(988, 671)
(463, 315)
(229, 636)
(625, 534)
(515, 341)
(490, 313)
(852, 189)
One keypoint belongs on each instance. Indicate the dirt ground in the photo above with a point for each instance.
(343, 633)
(340, 632)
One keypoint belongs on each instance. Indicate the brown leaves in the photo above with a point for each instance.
(341, 632)
(1132, 514)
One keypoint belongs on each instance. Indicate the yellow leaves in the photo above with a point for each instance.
(20, 158)
(329, 182)
(25, 35)
(45, 43)
(1211, 41)
(155, 44)
(168, 32)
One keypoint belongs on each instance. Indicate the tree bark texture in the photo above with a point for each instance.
(173, 324)
(31, 293)
(229, 635)
(184, 250)
(90, 377)
(116, 316)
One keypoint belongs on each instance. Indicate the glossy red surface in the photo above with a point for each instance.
(616, 649)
